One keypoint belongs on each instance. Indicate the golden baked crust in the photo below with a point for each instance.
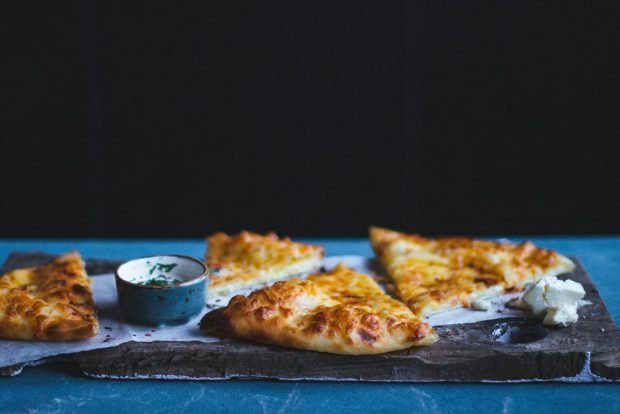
(340, 311)
(432, 275)
(247, 259)
(52, 302)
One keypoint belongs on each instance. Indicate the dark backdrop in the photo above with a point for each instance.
(310, 117)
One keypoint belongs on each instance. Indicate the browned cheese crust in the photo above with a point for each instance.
(340, 311)
(247, 259)
(433, 275)
(53, 302)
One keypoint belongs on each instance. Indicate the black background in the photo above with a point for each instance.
(309, 118)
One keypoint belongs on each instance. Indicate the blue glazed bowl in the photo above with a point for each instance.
(161, 290)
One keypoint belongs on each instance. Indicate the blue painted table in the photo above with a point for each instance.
(61, 388)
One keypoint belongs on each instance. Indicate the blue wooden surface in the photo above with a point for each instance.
(60, 388)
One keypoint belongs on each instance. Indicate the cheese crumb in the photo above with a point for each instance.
(564, 315)
(481, 304)
(560, 293)
(554, 300)
(534, 296)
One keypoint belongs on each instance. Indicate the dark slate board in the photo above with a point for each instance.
(502, 350)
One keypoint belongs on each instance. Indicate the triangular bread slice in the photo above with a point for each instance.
(248, 259)
(340, 311)
(53, 302)
(434, 275)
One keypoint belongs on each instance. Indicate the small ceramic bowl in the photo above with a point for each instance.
(161, 290)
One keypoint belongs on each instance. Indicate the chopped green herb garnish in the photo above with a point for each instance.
(162, 282)
(162, 266)
(166, 267)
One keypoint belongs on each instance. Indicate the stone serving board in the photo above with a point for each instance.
(501, 350)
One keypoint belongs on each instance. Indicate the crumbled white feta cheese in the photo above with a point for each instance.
(563, 315)
(535, 297)
(554, 299)
(559, 293)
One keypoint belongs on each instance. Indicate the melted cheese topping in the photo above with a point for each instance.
(52, 302)
(341, 311)
(248, 258)
(432, 275)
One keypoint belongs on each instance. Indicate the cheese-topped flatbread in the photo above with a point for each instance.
(52, 302)
(247, 259)
(340, 311)
(433, 275)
